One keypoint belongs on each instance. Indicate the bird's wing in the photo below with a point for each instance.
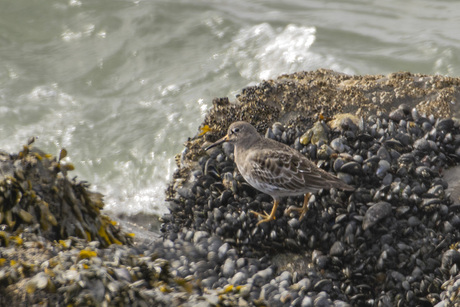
(288, 171)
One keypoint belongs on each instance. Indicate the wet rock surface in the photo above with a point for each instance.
(391, 242)
(382, 244)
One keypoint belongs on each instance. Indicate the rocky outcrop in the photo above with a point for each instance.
(393, 241)
(392, 137)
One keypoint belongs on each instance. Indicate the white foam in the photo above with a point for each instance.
(263, 52)
(132, 200)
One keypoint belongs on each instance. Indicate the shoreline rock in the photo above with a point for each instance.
(391, 242)
(393, 140)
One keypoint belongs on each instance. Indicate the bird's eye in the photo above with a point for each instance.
(236, 130)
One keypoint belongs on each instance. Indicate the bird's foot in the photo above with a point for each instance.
(265, 217)
(302, 211)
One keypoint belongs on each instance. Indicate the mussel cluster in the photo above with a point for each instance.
(389, 242)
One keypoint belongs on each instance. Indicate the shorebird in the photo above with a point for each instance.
(276, 169)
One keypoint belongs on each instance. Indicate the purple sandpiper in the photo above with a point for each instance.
(275, 168)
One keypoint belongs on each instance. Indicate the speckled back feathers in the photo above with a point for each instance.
(275, 168)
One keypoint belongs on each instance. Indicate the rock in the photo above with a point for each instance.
(347, 245)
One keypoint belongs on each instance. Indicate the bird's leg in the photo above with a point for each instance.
(265, 217)
(302, 211)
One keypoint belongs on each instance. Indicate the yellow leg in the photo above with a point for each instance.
(302, 211)
(265, 216)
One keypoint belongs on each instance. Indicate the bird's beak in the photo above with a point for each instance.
(224, 139)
